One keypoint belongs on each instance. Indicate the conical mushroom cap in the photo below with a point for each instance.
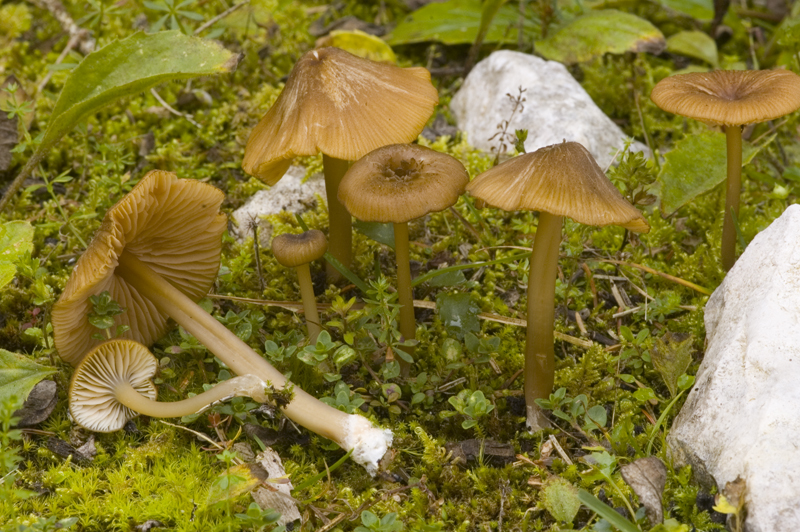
(92, 402)
(400, 183)
(341, 105)
(172, 225)
(730, 97)
(294, 250)
(562, 179)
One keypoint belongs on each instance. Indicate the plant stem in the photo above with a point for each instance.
(734, 145)
(246, 385)
(340, 234)
(303, 408)
(539, 354)
(405, 296)
(309, 302)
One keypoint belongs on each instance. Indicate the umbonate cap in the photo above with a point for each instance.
(172, 225)
(562, 179)
(401, 182)
(341, 105)
(729, 97)
(295, 250)
(92, 401)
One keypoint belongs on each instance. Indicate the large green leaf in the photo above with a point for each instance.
(458, 22)
(18, 375)
(698, 9)
(694, 44)
(16, 238)
(123, 68)
(606, 31)
(696, 165)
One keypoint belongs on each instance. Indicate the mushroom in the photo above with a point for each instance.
(112, 385)
(157, 250)
(297, 251)
(397, 184)
(731, 99)
(344, 107)
(558, 180)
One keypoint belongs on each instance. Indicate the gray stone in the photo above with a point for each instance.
(556, 107)
(741, 418)
(289, 194)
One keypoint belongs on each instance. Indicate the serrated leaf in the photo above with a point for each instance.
(697, 164)
(696, 44)
(560, 498)
(671, 356)
(596, 33)
(19, 374)
(459, 314)
(458, 22)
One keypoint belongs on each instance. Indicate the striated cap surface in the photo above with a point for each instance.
(562, 179)
(172, 225)
(341, 105)
(401, 182)
(294, 250)
(730, 97)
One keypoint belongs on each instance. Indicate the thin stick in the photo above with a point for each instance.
(683, 282)
(166, 106)
(219, 17)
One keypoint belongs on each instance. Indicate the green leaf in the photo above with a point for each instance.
(596, 33)
(458, 22)
(450, 278)
(458, 313)
(16, 239)
(560, 498)
(121, 69)
(606, 512)
(381, 233)
(697, 9)
(696, 44)
(18, 375)
(696, 165)
(671, 356)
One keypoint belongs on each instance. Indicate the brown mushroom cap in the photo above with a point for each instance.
(92, 402)
(729, 97)
(562, 179)
(341, 105)
(295, 250)
(401, 182)
(175, 227)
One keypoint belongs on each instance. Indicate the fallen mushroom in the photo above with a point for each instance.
(558, 180)
(397, 184)
(112, 385)
(731, 99)
(156, 251)
(344, 107)
(297, 251)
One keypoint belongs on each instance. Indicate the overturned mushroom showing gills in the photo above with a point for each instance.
(397, 184)
(559, 180)
(342, 106)
(112, 385)
(297, 251)
(157, 250)
(730, 99)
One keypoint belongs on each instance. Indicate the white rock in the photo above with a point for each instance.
(742, 419)
(289, 194)
(556, 107)
(278, 494)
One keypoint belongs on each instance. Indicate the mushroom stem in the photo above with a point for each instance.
(309, 302)
(734, 145)
(405, 295)
(245, 385)
(303, 409)
(340, 234)
(539, 354)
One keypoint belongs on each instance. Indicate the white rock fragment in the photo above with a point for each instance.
(556, 107)
(289, 194)
(279, 494)
(741, 419)
(368, 443)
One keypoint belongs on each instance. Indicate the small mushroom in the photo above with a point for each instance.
(112, 385)
(397, 184)
(158, 250)
(558, 180)
(731, 99)
(297, 251)
(344, 107)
